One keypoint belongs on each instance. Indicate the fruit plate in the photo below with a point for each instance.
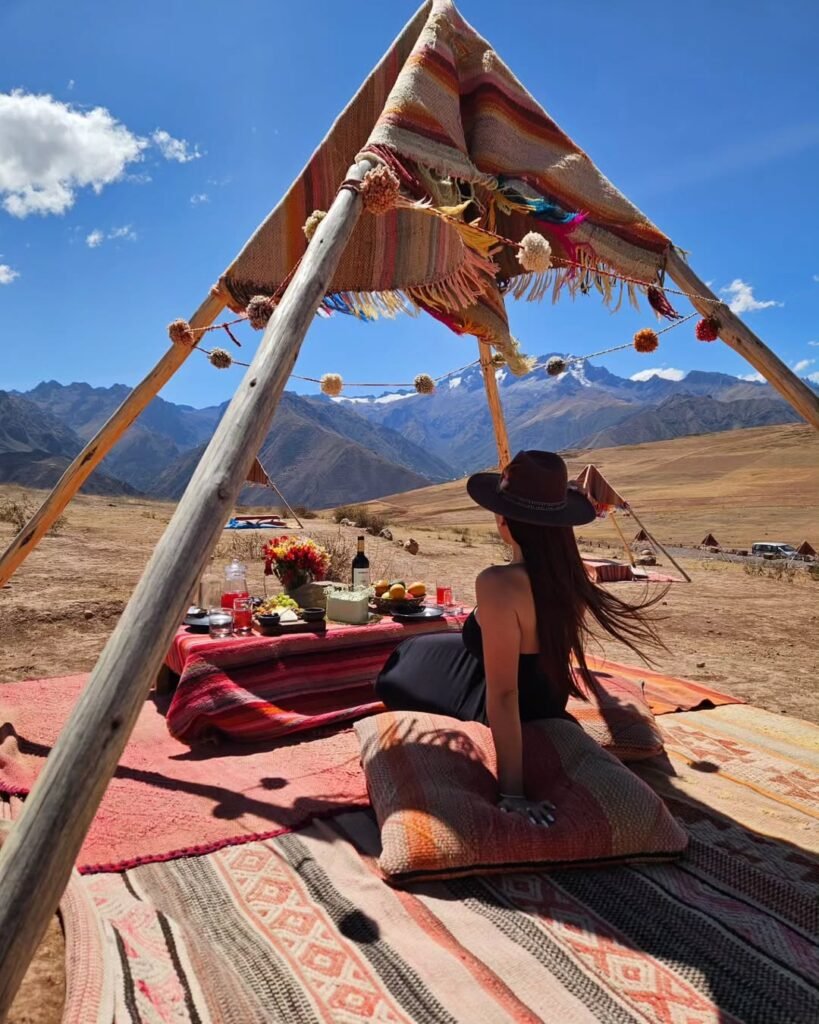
(407, 604)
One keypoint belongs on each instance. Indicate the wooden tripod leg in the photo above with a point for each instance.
(627, 549)
(742, 340)
(286, 505)
(490, 383)
(101, 444)
(657, 544)
(37, 858)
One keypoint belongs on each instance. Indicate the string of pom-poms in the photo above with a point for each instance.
(332, 384)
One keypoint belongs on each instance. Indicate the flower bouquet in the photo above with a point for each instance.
(295, 561)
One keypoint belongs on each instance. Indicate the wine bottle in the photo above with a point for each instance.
(361, 567)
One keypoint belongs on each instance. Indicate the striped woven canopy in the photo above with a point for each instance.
(599, 491)
(444, 111)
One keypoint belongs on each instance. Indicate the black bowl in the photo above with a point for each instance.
(272, 619)
(312, 614)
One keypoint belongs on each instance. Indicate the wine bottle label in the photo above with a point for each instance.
(361, 577)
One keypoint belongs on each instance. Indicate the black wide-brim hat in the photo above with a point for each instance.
(533, 488)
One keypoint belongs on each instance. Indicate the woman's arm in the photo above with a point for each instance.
(500, 630)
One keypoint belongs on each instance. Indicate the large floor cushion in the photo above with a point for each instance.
(617, 715)
(432, 783)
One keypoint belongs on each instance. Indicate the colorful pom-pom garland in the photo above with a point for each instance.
(646, 340)
(556, 365)
(221, 359)
(707, 329)
(181, 333)
(424, 384)
(259, 310)
(380, 189)
(535, 253)
(312, 222)
(331, 384)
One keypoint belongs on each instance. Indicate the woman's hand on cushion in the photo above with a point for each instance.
(537, 812)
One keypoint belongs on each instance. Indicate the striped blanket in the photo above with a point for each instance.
(443, 109)
(301, 928)
(258, 689)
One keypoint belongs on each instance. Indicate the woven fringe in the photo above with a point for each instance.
(372, 305)
(461, 289)
(534, 287)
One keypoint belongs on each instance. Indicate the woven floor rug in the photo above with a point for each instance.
(166, 799)
(301, 928)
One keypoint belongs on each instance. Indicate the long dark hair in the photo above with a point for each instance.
(564, 598)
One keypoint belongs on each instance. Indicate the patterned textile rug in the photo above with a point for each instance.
(166, 799)
(301, 927)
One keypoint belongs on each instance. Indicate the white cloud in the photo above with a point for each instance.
(814, 344)
(97, 237)
(7, 275)
(756, 377)
(814, 377)
(126, 232)
(199, 197)
(175, 149)
(49, 150)
(70, 85)
(668, 373)
(742, 298)
(802, 365)
(816, 277)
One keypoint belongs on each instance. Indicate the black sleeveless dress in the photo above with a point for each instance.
(443, 674)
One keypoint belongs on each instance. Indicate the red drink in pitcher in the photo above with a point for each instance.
(230, 596)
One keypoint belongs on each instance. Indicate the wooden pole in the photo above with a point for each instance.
(286, 505)
(742, 340)
(626, 547)
(490, 382)
(98, 447)
(657, 544)
(37, 857)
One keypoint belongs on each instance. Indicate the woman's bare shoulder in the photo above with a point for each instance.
(502, 578)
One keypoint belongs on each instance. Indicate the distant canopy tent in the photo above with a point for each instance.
(709, 541)
(257, 474)
(640, 537)
(806, 549)
(607, 501)
(600, 492)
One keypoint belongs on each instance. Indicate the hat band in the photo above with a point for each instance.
(530, 503)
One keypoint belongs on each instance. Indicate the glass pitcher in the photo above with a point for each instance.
(235, 583)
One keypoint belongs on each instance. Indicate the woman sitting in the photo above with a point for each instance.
(513, 661)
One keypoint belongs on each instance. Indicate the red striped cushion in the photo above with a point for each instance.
(433, 786)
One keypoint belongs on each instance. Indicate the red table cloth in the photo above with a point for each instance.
(253, 688)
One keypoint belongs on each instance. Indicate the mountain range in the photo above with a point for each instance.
(323, 452)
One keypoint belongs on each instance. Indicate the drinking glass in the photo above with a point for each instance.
(220, 622)
(242, 616)
(443, 595)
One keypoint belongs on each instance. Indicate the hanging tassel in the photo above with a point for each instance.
(660, 304)
(556, 365)
(220, 359)
(331, 384)
(645, 340)
(707, 329)
(424, 384)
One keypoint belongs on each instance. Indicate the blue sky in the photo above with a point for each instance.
(706, 118)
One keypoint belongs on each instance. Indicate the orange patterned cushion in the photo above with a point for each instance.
(618, 717)
(433, 787)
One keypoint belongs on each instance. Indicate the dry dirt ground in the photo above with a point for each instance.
(750, 635)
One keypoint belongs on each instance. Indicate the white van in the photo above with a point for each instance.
(772, 549)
